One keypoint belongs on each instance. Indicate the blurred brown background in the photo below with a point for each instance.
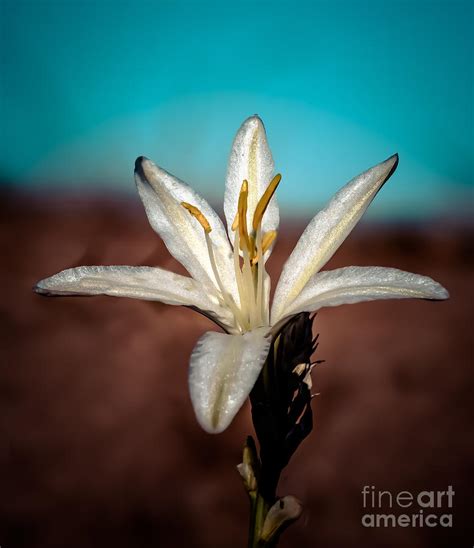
(99, 444)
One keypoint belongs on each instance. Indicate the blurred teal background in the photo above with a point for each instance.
(88, 86)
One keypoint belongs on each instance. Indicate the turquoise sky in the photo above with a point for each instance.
(88, 86)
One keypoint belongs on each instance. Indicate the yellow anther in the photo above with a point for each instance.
(235, 224)
(196, 213)
(264, 201)
(267, 241)
(242, 210)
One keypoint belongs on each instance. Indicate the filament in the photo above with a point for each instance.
(227, 298)
(239, 278)
(260, 269)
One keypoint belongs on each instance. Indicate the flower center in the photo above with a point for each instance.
(249, 269)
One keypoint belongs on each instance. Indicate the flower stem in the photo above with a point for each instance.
(258, 512)
(282, 418)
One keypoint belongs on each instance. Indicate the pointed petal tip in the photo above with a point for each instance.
(392, 161)
(440, 293)
(42, 288)
(144, 167)
(254, 122)
(37, 288)
(146, 171)
(48, 286)
(139, 161)
(140, 164)
(434, 291)
(213, 428)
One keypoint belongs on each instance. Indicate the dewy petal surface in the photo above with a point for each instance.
(355, 284)
(162, 194)
(327, 230)
(137, 282)
(223, 370)
(250, 159)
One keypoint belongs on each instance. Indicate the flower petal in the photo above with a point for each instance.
(141, 282)
(223, 370)
(327, 230)
(162, 194)
(250, 159)
(355, 284)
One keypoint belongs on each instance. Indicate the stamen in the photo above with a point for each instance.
(240, 281)
(242, 210)
(249, 287)
(235, 224)
(268, 239)
(264, 201)
(266, 242)
(198, 215)
(260, 272)
(226, 296)
(247, 249)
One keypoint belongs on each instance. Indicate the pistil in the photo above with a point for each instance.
(247, 249)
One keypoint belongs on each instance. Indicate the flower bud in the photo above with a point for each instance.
(248, 469)
(281, 514)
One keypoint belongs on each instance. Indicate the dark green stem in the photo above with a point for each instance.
(258, 513)
(282, 418)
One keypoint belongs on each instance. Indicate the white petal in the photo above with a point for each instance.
(223, 370)
(327, 230)
(355, 284)
(250, 159)
(141, 282)
(162, 194)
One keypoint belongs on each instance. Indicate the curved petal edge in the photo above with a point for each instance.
(328, 229)
(223, 370)
(356, 284)
(137, 282)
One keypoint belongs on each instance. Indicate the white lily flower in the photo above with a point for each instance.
(228, 280)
